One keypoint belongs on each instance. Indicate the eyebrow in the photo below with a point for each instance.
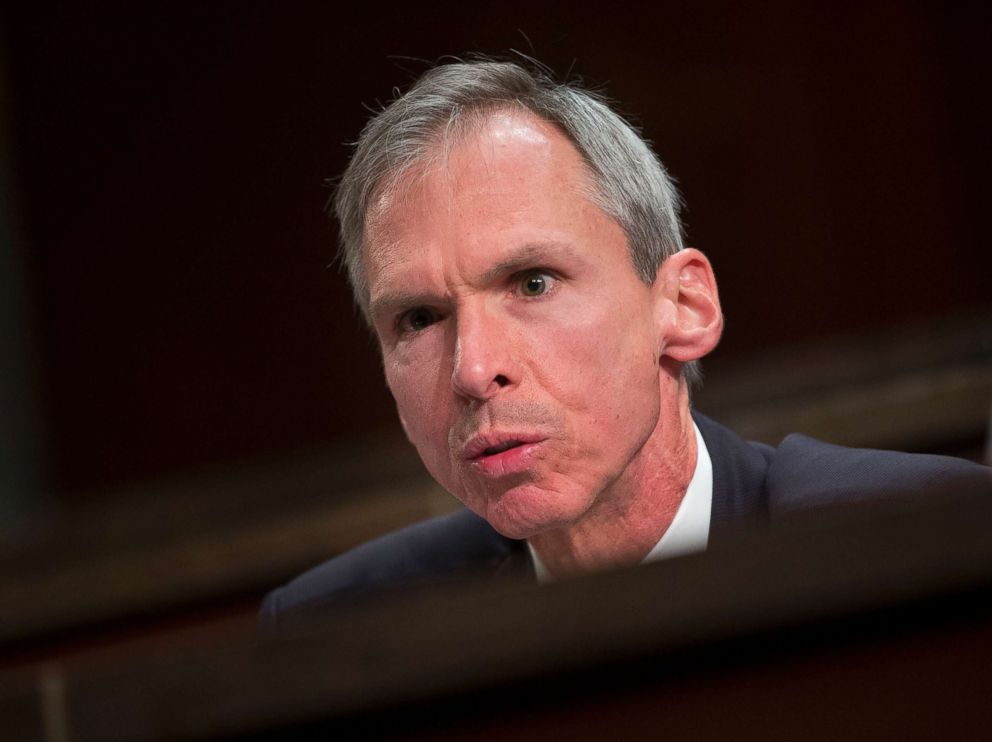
(388, 303)
(528, 255)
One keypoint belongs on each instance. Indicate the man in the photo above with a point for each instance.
(516, 247)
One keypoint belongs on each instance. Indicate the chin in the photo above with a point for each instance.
(523, 512)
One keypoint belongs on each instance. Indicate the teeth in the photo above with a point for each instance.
(500, 448)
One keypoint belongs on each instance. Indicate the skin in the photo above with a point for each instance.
(509, 313)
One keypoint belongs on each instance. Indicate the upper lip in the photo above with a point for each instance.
(478, 444)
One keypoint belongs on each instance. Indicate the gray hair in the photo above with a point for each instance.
(629, 182)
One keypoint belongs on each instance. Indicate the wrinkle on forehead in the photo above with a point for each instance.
(472, 139)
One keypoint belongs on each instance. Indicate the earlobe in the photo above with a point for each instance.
(694, 318)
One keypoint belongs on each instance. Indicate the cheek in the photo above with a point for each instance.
(414, 381)
(602, 359)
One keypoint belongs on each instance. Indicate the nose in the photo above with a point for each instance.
(482, 359)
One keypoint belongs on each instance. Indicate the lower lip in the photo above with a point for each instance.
(511, 461)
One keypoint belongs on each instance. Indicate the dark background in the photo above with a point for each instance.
(168, 167)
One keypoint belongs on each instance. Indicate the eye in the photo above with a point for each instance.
(416, 320)
(535, 283)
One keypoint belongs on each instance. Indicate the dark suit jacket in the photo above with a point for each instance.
(753, 484)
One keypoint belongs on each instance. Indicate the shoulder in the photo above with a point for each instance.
(806, 473)
(445, 548)
(757, 483)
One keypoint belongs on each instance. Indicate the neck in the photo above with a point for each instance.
(634, 512)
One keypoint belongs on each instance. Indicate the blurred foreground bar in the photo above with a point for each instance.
(864, 624)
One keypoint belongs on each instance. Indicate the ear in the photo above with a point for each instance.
(692, 320)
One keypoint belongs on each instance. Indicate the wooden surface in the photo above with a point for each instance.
(820, 614)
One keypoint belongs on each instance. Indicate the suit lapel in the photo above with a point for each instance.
(739, 469)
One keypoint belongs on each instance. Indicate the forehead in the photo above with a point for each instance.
(506, 168)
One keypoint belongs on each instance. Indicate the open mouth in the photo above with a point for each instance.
(498, 448)
(493, 450)
(502, 456)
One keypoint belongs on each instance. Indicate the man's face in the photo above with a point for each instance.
(521, 347)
